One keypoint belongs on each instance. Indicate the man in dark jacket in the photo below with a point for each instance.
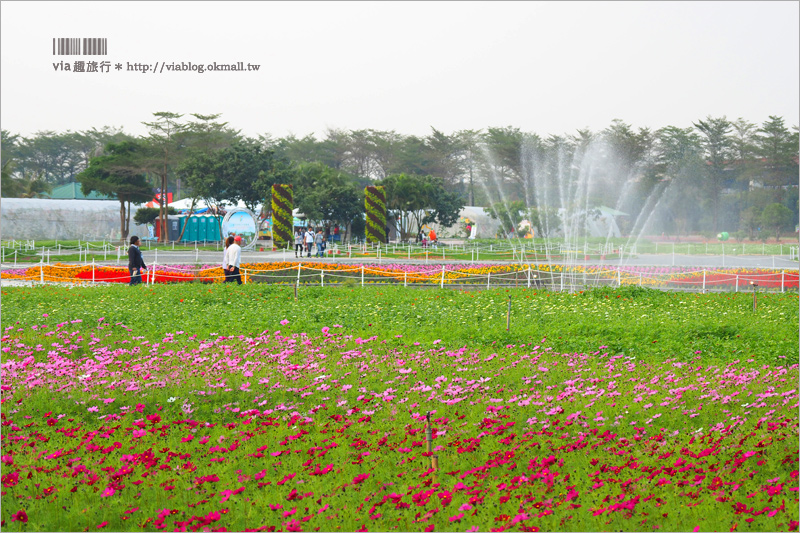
(135, 261)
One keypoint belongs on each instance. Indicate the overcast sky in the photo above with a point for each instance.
(545, 67)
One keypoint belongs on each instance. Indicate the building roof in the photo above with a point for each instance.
(72, 191)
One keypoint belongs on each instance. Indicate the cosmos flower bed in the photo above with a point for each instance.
(111, 425)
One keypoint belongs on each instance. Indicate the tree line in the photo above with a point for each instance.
(714, 175)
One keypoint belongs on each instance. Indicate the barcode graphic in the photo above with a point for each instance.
(73, 46)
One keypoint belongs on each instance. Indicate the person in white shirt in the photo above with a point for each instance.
(231, 260)
(298, 243)
(309, 241)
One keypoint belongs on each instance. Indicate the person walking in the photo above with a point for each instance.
(298, 243)
(319, 241)
(228, 242)
(135, 261)
(309, 241)
(233, 255)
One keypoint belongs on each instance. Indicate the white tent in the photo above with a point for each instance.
(186, 203)
(483, 225)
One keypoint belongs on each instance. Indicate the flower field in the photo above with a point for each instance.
(219, 407)
(527, 274)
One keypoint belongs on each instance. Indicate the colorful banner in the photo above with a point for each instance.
(282, 207)
(375, 204)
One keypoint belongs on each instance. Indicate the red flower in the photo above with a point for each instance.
(21, 515)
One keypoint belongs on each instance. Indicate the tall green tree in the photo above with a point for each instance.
(328, 196)
(777, 218)
(416, 200)
(244, 171)
(164, 143)
(718, 145)
(470, 160)
(204, 135)
(778, 147)
(504, 159)
(118, 174)
(678, 165)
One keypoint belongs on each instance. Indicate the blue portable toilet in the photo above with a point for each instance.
(190, 235)
(202, 228)
(212, 229)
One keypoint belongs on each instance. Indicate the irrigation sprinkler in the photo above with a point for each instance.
(508, 315)
(428, 432)
(755, 292)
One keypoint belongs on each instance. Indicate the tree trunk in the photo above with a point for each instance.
(127, 223)
(186, 222)
(163, 207)
(471, 188)
(123, 234)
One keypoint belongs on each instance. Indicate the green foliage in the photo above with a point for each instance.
(628, 319)
(242, 171)
(416, 200)
(148, 215)
(327, 196)
(545, 221)
(777, 217)
(118, 174)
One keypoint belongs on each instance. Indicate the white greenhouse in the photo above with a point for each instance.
(35, 218)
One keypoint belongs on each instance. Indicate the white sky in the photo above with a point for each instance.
(545, 67)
